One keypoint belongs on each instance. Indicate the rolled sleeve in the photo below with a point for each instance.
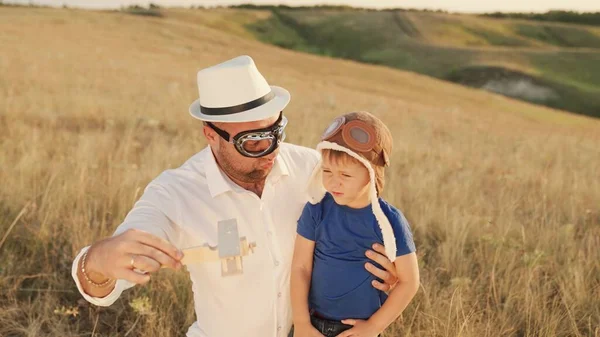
(109, 299)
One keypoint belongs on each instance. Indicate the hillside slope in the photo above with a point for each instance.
(553, 64)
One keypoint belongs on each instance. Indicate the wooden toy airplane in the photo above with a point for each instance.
(231, 248)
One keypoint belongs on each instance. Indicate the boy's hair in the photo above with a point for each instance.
(339, 157)
(342, 158)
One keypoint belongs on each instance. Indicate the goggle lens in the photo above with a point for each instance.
(259, 144)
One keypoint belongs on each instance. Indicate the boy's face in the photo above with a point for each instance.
(347, 181)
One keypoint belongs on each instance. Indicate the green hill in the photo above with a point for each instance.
(549, 63)
(586, 18)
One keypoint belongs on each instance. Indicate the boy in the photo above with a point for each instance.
(332, 293)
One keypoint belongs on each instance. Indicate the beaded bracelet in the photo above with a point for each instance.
(87, 278)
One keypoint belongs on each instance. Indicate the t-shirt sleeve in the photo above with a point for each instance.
(307, 224)
(404, 238)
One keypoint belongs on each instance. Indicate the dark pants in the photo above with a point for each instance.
(327, 327)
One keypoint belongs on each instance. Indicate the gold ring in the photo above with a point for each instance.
(132, 261)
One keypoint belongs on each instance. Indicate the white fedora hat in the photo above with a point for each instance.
(235, 91)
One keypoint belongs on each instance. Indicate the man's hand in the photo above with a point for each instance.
(306, 330)
(117, 257)
(360, 328)
(388, 275)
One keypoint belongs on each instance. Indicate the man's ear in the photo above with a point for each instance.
(210, 135)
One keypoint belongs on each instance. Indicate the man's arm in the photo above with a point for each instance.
(408, 283)
(110, 260)
(143, 238)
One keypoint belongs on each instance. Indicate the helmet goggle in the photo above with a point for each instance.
(256, 143)
(357, 136)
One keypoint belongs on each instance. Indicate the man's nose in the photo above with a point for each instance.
(272, 155)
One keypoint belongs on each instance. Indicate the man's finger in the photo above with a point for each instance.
(145, 263)
(158, 243)
(379, 248)
(135, 277)
(381, 286)
(349, 321)
(382, 274)
(157, 255)
(382, 260)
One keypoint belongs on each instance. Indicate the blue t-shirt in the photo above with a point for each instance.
(341, 286)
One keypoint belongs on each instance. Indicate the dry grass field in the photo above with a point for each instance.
(503, 196)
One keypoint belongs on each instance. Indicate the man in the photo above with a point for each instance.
(247, 174)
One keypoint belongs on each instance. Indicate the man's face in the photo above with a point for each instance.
(241, 168)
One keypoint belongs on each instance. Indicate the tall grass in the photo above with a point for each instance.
(503, 197)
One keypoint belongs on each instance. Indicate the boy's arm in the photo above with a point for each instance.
(407, 270)
(302, 264)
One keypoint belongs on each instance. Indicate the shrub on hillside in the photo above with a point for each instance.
(588, 18)
(152, 10)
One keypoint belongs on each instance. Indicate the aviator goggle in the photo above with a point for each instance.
(256, 143)
(357, 136)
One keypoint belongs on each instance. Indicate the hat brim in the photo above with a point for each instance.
(273, 107)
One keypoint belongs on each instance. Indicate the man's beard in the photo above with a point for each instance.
(254, 176)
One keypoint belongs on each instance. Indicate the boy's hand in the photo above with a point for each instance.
(389, 276)
(360, 328)
(306, 330)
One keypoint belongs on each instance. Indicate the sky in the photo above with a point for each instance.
(469, 6)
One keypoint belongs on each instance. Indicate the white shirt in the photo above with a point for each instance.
(184, 205)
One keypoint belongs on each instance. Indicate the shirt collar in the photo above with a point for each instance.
(280, 168)
(219, 183)
(215, 178)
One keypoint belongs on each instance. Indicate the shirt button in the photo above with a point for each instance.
(276, 263)
(279, 328)
(269, 233)
(279, 294)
